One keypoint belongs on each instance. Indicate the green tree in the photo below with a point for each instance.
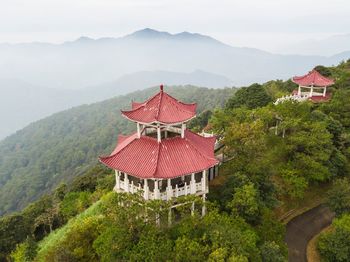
(251, 97)
(335, 245)
(339, 196)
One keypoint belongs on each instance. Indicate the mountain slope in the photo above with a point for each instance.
(55, 149)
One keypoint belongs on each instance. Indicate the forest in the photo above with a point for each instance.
(278, 155)
(39, 157)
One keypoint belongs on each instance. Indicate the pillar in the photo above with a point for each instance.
(324, 91)
(138, 130)
(183, 127)
(126, 182)
(159, 137)
(132, 187)
(204, 180)
(169, 190)
(299, 90)
(117, 180)
(193, 184)
(146, 190)
(204, 208)
(156, 189)
(311, 91)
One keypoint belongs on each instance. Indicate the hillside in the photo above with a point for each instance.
(37, 158)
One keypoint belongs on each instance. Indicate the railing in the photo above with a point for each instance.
(295, 97)
(164, 195)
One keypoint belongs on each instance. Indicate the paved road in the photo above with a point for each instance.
(301, 229)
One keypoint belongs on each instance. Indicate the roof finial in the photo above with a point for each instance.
(161, 87)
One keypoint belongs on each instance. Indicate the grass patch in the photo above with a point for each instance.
(314, 196)
(58, 235)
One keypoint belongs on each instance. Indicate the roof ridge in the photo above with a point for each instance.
(155, 170)
(159, 102)
(182, 109)
(195, 148)
(134, 138)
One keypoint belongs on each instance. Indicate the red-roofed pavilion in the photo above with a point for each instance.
(313, 80)
(162, 159)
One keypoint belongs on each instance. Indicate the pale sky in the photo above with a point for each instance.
(264, 24)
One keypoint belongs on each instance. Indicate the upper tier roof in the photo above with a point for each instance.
(312, 78)
(173, 157)
(161, 108)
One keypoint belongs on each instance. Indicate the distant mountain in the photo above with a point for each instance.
(22, 103)
(336, 44)
(87, 62)
(37, 158)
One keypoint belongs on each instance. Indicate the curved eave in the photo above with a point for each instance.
(180, 174)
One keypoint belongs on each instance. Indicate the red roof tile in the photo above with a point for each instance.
(146, 158)
(312, 78)
(161, 108)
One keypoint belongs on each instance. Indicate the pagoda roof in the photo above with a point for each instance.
(313, 78)
(161, 108)
(145, 157)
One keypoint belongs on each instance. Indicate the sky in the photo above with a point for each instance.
(264, 24)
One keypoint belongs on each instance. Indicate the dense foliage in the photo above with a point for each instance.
(335, 245)
(36, 159)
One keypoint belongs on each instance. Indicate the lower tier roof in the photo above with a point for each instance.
(173, 157)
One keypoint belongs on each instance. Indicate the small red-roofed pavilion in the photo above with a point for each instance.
(162, 159)
(313, 81)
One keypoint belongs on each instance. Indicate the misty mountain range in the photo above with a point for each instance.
(38, 79)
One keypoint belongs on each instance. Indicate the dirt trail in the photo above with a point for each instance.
(301, 229)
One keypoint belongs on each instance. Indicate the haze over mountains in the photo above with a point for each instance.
(334, 44)
(38, 79)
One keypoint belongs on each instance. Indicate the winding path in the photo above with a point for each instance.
(301, 229)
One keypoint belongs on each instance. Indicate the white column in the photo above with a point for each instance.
(299, 90)
(156, 189)
(169, 190)
(138, 130)
(204, 209)
(126, 182)
(183, 127)
(324, 91)
(132, 187)
(193, 184)
(176, 191)
(159, 137)
(146, 190)
(311, 90)
(117, 180)
(204, 181)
